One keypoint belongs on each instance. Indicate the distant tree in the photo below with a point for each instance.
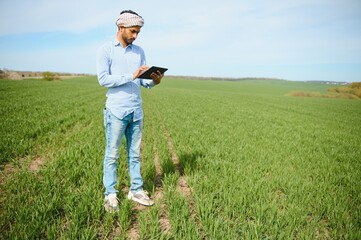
(48, 76)
(2, 74)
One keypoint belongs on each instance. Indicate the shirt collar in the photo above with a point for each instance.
(117, 43)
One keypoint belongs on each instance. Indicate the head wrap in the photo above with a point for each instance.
(128, 19)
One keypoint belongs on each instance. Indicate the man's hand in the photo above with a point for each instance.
(139, 71)
(156, 76)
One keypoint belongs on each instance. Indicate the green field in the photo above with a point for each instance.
(224, 160)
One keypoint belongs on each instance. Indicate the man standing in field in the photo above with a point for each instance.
(119, 63)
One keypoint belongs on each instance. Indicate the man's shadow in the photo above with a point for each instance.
(191, 162)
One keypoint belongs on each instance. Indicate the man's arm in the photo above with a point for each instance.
(106, 79)
(147, 83)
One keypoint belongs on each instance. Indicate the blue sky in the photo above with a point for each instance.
(294, 40)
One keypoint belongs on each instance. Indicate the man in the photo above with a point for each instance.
(119, 63)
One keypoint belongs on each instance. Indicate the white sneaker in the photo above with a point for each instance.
(111, 203)
(140, 197)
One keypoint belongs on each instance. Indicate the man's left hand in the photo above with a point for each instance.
(156, 76)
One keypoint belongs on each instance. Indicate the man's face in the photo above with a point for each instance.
(128, 35)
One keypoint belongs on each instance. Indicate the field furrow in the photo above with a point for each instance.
(182, 186)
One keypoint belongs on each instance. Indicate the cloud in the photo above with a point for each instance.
(262, 33)
(45, 16)
(197, 37)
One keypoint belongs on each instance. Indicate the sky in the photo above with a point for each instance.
(297, 40)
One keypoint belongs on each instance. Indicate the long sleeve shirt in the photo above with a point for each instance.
(115, 68)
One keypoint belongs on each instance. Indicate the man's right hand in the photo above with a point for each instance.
(139, 71)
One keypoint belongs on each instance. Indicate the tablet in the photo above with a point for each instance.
(146, 74)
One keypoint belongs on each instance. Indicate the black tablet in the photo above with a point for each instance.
(146, 74)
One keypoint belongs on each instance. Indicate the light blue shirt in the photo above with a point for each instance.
(115, 68)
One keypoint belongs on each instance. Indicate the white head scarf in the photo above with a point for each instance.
(128, 19)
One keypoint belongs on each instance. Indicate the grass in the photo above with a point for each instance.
(260, 164)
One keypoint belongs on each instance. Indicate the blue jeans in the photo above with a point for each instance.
(115, 129)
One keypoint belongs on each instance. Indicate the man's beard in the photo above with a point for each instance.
(128, 40)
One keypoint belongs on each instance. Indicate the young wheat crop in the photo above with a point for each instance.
(224, 160)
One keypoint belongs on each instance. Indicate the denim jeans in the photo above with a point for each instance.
(115, 129)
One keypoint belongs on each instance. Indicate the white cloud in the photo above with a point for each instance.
(205, 34)
(44, 16)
